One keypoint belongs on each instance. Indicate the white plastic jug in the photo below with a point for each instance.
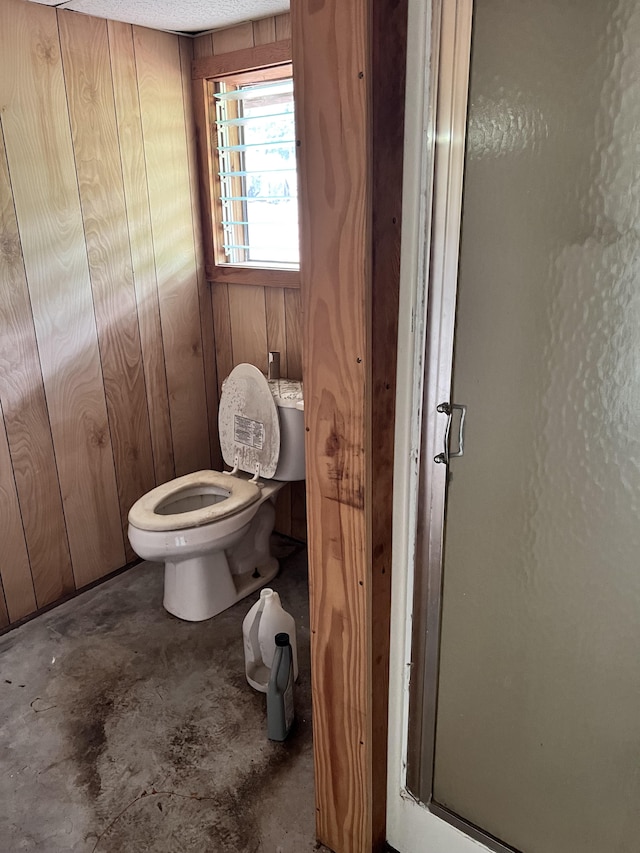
(261, 624)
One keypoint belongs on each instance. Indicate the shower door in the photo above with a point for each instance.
(526, 727)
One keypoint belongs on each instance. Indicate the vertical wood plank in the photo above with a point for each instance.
(264, 31)
(283, 26)
(14, 566)
(203, 46)
(276, 326)
(36, 128)
(85, 53)
(233, 38)
(248, 325)
(134, 178)
(162, 112)
(26, 418)
(204, 290)
(222, 324)
(293, 318)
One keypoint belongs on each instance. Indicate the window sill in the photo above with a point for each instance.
(261, 277)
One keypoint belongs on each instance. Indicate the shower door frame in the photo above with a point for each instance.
(438, 75)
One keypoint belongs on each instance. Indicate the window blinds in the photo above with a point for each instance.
(255, 136)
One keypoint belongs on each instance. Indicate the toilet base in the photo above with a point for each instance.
(202, 587)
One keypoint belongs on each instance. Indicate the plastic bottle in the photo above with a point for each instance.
(261, 624)
(280, 705)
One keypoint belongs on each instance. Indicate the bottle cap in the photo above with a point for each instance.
(282, 639)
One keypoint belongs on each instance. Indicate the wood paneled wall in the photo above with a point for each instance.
(108, 383)
(249, 320)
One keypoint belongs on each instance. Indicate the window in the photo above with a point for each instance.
(244, 110)
(258, 200)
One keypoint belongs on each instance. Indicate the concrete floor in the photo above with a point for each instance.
(125, 729)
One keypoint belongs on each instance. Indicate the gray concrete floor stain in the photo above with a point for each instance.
(125, 729)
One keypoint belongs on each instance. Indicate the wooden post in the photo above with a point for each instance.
(349, 67)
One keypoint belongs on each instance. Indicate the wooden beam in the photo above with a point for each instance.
(247, 59)
(349, 61)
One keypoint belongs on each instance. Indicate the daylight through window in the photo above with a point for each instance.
(257, 179)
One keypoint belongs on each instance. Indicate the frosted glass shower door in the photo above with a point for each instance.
(537, 728)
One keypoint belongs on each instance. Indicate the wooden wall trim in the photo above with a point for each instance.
(237, 61)
(206, 169)
(346, 65)
(262, 277)
(388, 69)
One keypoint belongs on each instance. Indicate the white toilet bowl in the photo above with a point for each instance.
(212, 529)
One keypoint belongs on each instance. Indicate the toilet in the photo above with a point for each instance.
(212, 529)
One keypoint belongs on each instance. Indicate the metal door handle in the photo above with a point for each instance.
(448, 409)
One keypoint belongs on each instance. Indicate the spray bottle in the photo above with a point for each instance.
(280, 707)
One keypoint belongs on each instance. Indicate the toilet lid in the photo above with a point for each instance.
(248, 422)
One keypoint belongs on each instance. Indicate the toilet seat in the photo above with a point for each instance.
(235, 494)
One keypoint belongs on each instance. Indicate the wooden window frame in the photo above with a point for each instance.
(265, 62)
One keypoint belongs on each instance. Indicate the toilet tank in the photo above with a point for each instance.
(287, 394)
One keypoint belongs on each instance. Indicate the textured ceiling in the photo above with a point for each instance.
(187, 16)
